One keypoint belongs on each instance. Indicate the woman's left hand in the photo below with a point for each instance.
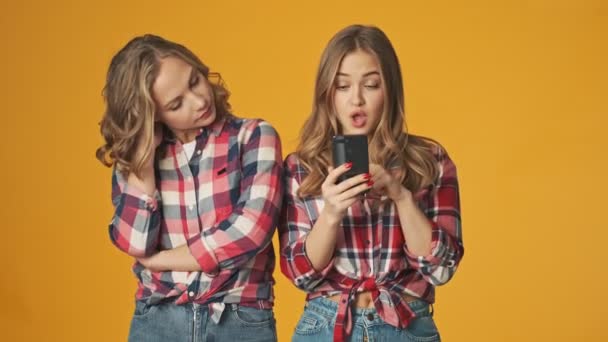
(386, 184)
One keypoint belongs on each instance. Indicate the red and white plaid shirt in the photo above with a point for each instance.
(223, 203)
(372, 254)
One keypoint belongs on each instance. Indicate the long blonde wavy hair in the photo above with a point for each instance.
(389, 145)
(130, 109)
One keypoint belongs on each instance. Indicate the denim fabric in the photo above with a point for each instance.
(317, 324)
(192, 323)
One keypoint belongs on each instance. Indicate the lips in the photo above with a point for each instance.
(204, 114)
(359, 119)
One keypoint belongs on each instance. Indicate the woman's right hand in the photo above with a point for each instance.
(338, 197)
(322, 239)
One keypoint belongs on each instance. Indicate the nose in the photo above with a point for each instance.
(356, 96)
(199, 101)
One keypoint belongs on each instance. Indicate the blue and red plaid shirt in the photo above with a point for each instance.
(223, 203)
(372, 254)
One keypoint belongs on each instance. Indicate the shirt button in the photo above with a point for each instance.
(191, 294)
(370, 317)
(199, 152)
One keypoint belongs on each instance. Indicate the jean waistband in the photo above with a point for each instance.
(329, 308)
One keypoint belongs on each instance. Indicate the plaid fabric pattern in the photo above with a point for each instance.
(223, 203)
(372, 254)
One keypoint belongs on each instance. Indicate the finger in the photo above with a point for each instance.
(351, 182)
(328, 188)
(380, 181)
(349, 202)
(376, 170)
(378, 178)
(355, 191)
(326, 185)
(333, 174)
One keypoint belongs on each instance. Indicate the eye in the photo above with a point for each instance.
(372, 85)
(342, 87)
(194, 81)
(176, 106)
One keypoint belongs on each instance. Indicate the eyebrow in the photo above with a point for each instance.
(364, 75)
(168, 105)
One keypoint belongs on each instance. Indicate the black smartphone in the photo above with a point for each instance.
(351, 148)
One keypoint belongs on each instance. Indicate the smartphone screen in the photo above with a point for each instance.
(351, 148)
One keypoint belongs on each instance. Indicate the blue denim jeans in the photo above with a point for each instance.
(192, 323)
(319, 317)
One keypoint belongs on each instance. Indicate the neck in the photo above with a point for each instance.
(186, 136)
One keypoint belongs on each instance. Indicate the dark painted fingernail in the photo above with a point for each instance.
(349, 165)
(370, 182)
(367, 176)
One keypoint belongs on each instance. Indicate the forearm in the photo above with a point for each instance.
(416, 227)
(146, 183)
(321, 241)
(176, 259)
(135, 225)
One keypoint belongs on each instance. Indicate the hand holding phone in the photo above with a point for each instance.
(351, 148)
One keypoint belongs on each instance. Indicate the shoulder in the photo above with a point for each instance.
(292, 161)
(433, 146)
(293, 166)
(250, 128)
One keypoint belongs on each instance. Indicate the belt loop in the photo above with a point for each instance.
(431, 309)
(234, 306)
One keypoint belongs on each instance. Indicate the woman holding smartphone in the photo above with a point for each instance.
(369, 250)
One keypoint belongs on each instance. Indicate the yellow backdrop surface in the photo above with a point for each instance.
(515, 90)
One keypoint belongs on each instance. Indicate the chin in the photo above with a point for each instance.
(358, 131)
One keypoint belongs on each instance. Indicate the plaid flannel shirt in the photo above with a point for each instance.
(223, 203)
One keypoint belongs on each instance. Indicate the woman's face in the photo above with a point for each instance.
(184, 98)
(359, 93)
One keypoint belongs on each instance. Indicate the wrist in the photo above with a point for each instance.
(330, 218)
(403, 196)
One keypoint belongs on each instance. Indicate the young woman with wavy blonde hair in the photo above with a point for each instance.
(196, 192)
(370, 250)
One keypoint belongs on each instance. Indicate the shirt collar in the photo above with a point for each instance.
(216, 128)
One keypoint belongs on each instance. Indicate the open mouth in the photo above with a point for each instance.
(359, 119)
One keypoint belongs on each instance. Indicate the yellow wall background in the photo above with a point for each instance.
(515, 90)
